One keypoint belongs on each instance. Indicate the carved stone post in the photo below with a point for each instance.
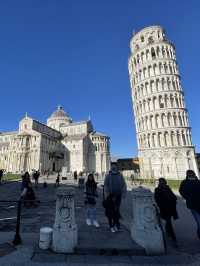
(65, 228)
(145, 227)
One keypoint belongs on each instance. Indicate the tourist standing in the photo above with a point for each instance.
(90, 201)
(25, 180)
(190, 191)
(36, 176)
(115, 186)
(27, 194)
(112, 212)
(166, 201)
(75, 176)
(1, 175)
(57, 180)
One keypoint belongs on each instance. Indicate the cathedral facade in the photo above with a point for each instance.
(61, 143)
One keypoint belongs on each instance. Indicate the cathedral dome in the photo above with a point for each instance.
(59, 113)
(58, 119)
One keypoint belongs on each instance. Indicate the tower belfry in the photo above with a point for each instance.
(165, 146)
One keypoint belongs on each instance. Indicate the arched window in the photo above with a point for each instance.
(147, 54)
(148, 140)
(153, 139)
(172, 138)
(158, 51)
(168, 55)
(142, 56)
(175, 119)
(166, 139)
(159, 139)
(151, 121)
(169, 118)
(145, 72)
(153, 54)
(138, 59)
(161, 102)
(137, 47)
(157, 121)
(150, 40)
(178, 139)
(184, 140)
(142, 38)
(163, 51)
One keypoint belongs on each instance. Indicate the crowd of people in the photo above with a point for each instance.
(114, 190)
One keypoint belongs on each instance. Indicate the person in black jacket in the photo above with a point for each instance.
(166, 201)
(190, 191)
(90, 201)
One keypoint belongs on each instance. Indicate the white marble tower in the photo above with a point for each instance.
(163, 133)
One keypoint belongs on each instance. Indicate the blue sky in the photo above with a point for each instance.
(75, 53)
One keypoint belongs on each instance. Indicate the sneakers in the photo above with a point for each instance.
(117, 229)
(96, 224)
(112, 229)
(88, 222)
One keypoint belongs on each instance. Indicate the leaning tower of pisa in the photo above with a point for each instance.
(165, 146)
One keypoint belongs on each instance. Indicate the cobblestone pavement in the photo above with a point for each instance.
(96, 246)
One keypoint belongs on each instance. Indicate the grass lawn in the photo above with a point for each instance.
(11, 177)
(173, 184)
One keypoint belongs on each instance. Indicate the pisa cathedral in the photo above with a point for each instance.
(62, 142)
(164, 140)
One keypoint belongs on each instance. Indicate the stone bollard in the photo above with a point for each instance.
(145, 226)
(64, 229)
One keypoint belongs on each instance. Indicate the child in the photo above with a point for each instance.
(90, 200)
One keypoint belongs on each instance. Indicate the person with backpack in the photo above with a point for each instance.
(166, 201)
(115, 189)
(90, 201)
(190, 191)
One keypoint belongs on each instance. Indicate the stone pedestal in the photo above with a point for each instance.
(145, 228)
(64, 229)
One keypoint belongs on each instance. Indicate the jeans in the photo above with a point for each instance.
(169, 229)
(91, 213)
(114, 221)
(196, 216)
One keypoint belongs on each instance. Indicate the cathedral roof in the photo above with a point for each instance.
(95, 133)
